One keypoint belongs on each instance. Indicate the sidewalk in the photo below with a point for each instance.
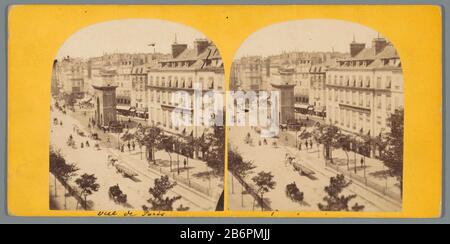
(195, 175)
(60, 202)
(373, 174)
(238, 198)
(93, 161)
(272, 159)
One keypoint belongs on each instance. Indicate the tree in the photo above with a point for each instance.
(127, 136)
(167, 144)
(158, 200)
(56, 162)
(215, 155)
(334, 200)
(344, 142)
(237, 166)
(391, 151)
(264, 181)
(67, 172)
(327, 135)
(150, 137)
(87, 184)
(61, 170)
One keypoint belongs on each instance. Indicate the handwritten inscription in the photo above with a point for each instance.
(130, 213)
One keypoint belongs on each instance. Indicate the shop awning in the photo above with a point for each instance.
(123, 107)
(302, 106)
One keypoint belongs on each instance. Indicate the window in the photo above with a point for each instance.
(378, 85)
(388, 82)
(361, 99)
(388, 103)
(210, 83)
(379, 102)
(190, 82)
(367, 81)
(368, 100)
(348, 118)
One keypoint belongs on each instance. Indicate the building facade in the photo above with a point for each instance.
(139, 101)
(71, 76)
(364, 89)
(185, 69)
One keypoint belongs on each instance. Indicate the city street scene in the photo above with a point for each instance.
(339, 146)
(114, 144)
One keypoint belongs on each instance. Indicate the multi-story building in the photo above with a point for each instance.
(139, 90)
(317, 93)
(364, 89)
(247, 73)
(187, 67)
(71, 76)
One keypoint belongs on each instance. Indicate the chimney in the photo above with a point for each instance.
(177, 49)
(379, 44)
(200, 45)
(356, 48)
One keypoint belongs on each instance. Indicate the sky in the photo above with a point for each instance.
(305, 35)
(130, 36)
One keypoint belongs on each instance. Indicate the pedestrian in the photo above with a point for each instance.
(185, 163)
(82, 145)
(87, 144)
(61, 123)
(311, 143)
(306, 143)
(133, 145)
(129, 146)
(122, 149)
(300, 146)
(362, 162)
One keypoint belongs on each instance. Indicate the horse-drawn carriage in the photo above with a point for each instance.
(302, 169)
(125, 171)
(294, 193)
(117, 195)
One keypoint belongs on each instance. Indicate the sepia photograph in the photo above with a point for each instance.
(117, 89)
(334, 136)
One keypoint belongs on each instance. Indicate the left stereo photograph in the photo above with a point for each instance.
(135, 121)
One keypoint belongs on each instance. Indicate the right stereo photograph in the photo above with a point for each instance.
(317, 120)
